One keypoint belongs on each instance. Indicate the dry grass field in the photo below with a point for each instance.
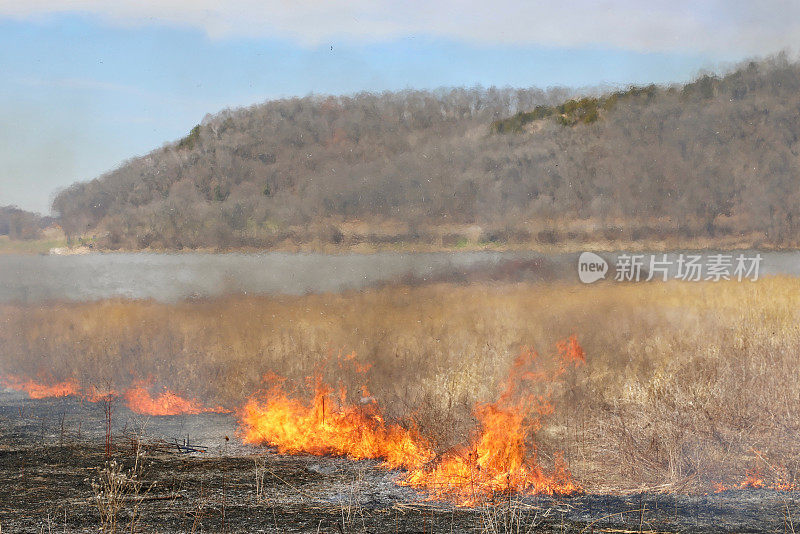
(686, 385)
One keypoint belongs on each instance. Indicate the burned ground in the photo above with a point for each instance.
(46, 485)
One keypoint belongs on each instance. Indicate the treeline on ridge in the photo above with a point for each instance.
(715, 158)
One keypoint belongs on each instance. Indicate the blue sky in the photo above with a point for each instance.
(88, 86)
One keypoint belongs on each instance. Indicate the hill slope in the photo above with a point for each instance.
(715, 159)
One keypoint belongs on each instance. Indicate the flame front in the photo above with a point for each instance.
(137, 398)
(327, 426)
(755, 479)
(36, 390)
(498, 461)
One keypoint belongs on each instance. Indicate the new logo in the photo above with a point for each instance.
(591, 267)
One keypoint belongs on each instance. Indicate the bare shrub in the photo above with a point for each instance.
(117, 489)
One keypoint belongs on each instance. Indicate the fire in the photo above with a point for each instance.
(753, 480)
(139, 400)
(779, 481)
(137, 397)
(37, 390)
(779, 478)
(96, 394)
(499, 460)
(328, 426)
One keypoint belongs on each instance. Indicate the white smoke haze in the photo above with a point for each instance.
(722, 27)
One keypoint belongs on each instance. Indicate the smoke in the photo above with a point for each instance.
(36, 150)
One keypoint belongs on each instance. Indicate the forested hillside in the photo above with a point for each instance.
(715, 159)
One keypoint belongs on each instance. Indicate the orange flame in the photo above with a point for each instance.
(326, 426)
(96, 394)
(139, 400)
(753, 480)
(780, 481)
(498, 461)
(137, 397)
(37, 390)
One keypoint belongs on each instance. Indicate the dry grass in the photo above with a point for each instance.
(683, 382)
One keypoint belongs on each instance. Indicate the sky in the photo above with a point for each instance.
(88, 84)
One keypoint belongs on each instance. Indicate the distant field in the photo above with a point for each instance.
(31, 246)
(686, 385)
